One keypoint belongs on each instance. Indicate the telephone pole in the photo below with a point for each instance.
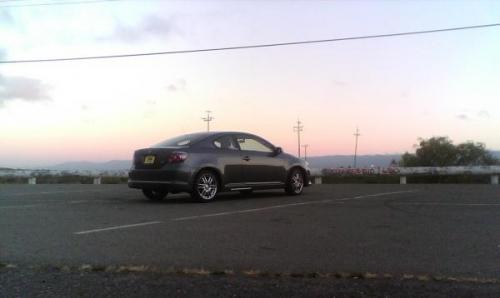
(299, 128)
(207, 119)
(356, 146)
(305, 150)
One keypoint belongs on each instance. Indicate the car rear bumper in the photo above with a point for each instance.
(167, 185)
(170, 179)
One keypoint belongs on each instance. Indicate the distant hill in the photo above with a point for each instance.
(112, 165)
(378, 160)
(335, 161)
(316, 162)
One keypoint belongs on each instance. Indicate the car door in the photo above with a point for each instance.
(260, 166)
(229, 160)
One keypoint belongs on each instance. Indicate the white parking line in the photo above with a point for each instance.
(245, 211)
(79, 202)
(20, 206)
(242, 211)
(41, 204)
(446, 204)
(48, 192)
(290, 205)
(119, 227)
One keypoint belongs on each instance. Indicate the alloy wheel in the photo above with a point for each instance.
(297, 182)
(207, 186)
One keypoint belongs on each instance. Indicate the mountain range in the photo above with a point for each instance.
(316, 162)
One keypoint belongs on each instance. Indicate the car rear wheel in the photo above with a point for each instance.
(155, 195)
(295, 182)
(205, 187)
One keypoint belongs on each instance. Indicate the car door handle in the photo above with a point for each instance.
(246, 158)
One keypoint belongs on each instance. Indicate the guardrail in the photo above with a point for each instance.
(37, 176)
(493, 171)
(95, 180)
(404, 172)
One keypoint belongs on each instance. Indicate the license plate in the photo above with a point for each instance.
(149, 159)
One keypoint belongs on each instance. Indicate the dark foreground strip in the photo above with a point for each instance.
(250, 273)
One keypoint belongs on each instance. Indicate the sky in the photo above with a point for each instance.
(395, 90)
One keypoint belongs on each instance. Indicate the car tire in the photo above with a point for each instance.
(295, 182)
(205, 187)
(155, 195)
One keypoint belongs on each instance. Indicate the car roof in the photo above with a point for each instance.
(214, 133)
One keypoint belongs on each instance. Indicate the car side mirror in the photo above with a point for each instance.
(278, 151)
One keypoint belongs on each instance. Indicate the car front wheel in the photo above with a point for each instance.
(295, 182)
(205, 187)
(155, 195)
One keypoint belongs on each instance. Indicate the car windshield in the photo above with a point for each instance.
(181, 141)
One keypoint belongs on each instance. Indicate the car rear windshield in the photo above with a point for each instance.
(181, 141)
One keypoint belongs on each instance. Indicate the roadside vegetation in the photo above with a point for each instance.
(441, 152)
(432, 152)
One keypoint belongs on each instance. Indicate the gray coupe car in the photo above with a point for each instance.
(204, 164)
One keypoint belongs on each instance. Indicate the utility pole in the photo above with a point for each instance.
(207, 119)
(305, 150)
(356, 146)
(299, 128)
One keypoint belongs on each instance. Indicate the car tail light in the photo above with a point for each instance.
(177, 157)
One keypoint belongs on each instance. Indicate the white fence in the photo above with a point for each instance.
(472, 170)
(404, 172)
(30, 176)
(493, 171)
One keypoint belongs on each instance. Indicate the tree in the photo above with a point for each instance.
(440, 152)
(470, 154)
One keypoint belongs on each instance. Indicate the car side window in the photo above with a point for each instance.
(251, 144)
(225, 142)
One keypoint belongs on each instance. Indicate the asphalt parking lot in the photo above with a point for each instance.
(384, 230)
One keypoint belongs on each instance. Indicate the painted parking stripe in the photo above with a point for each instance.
(20, 206)
(78, 202)
(49, 192)
(290, 205)
(119, 227)
(446, 204)
(242, 211)
(245, 211)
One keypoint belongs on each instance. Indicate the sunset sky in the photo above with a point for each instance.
(395, 89)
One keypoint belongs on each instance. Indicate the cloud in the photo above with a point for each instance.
(28, 89)
(339, 83)
(483, 114)
(178, 85)
(404, 94)
(473, 115)
(6, 17)
(148, 27)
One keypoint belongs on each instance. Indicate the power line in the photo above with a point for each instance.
(250, 46)
(54, 3)
(5, 1)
